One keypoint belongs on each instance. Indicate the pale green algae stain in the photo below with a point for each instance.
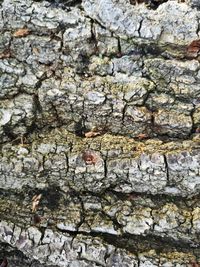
(109, 142)
(129, 147)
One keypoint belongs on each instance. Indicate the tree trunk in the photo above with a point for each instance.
(99, 130)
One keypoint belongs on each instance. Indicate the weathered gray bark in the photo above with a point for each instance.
(99, 120)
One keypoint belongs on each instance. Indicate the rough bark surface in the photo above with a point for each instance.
(99, 133)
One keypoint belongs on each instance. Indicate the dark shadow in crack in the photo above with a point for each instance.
(62, 3)
(152, 4)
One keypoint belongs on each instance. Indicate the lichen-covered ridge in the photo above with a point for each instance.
(99, 133)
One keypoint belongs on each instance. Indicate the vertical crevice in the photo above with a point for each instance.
(105, 168)
(166, 169)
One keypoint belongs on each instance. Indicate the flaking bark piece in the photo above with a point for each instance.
(195, 264)
(5, 54)
(142, 136)
(193, 48)
(91, 134)
(89, 157)
(21, 32)
(35, 202)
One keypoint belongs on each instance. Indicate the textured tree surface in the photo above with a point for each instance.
(99, 133)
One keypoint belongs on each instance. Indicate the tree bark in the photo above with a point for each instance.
(99, 130)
